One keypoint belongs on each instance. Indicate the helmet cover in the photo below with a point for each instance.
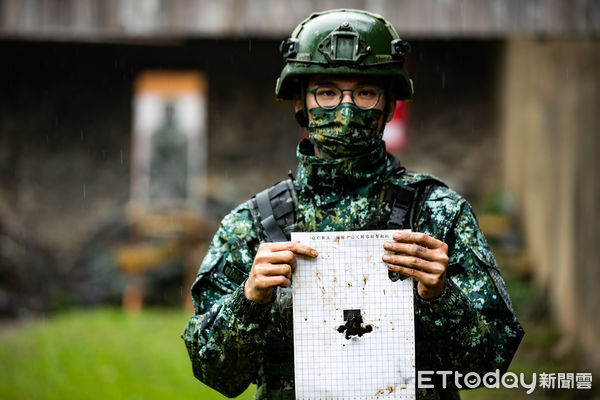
(344, 42)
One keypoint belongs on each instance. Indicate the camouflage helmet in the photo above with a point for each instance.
(344, 41)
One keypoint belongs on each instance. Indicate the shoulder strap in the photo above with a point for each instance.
(406, 200)
(276, 210)
(401, 198)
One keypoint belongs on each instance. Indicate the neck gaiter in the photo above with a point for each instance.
(345, 131)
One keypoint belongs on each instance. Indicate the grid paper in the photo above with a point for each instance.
(349, 275)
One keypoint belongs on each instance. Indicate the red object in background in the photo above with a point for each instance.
(396, 131)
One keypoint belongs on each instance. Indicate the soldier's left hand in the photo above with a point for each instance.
(420, 256)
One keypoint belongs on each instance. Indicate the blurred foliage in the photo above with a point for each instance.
(29, 273)
(100, 354)
(496, 201)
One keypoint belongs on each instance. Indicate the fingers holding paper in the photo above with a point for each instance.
(272, 267)
(420, 256)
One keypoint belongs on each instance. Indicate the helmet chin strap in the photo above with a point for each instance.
(386, 110)
(301, 116)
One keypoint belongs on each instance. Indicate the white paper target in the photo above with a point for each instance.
(353, 326)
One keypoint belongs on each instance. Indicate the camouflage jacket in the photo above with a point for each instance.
(233, 341)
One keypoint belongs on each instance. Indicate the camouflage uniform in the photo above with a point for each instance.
(233, 341)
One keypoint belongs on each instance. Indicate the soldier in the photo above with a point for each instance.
(344, 72)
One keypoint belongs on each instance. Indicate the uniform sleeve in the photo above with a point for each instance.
(223, 337)
(471, 327)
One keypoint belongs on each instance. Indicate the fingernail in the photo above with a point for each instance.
(386, 257)
(314, 253)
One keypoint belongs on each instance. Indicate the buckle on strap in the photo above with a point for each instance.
(272, 230)
(273, 207)
(402, 201)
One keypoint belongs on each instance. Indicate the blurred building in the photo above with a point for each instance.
(507, 94)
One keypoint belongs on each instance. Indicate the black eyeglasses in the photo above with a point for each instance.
(329, 96)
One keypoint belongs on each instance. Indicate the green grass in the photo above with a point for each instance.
(100, 354)
(105, 354)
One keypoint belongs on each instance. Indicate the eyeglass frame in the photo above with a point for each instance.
(380, 91)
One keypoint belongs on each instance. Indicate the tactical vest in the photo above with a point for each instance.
(276, 215)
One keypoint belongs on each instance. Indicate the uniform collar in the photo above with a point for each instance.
(341, 175)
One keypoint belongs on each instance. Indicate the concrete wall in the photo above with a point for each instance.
(141, 19)
(551, 141)
(65, 118)
(66, 128)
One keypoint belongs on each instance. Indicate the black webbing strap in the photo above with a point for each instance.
(272, 230)
(281, 209)
(271, 208)
(277, 189)
(400, 198)
(403, 197)
(406, 200)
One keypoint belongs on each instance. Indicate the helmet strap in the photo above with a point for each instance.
(386, 110)
(301, 116)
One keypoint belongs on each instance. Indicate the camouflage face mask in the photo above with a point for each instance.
(344, 131)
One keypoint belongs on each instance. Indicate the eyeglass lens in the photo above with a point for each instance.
(330, 96)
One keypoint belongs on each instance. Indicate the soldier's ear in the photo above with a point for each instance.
(297, 102)
(300, 114)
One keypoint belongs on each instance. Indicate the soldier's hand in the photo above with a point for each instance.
(420, 256)
(272, 267)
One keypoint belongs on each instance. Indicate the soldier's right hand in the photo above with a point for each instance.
(272, 267)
